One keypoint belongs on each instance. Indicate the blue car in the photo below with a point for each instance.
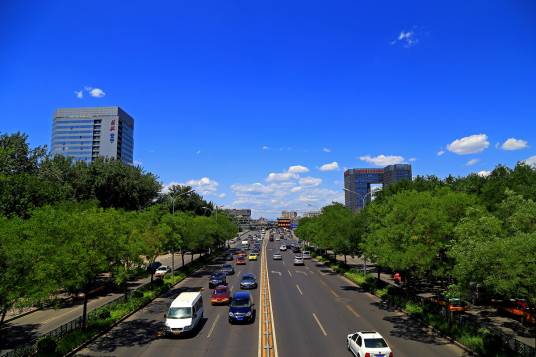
(249, 281)
(241, 308)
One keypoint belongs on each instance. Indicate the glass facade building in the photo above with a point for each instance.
(87, 133)
(357, 182)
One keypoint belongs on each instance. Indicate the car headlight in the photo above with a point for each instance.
(248, 314)
(231, 314)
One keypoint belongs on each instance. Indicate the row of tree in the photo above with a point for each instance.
(469, 232)
(64, 223)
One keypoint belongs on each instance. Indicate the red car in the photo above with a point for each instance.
(220, 295)
(241, 260)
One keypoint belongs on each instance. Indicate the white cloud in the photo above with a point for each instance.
(79, 94)
(484, 173)
(382, 160)
(198, 152)
(222, 195)
(330, 167)
(310, 181)
(412, 159)
(137, 163)
(440, 152)
(326, 150)
(296, 189)
(254, 188)
(472, 162)
(97, 93)
(514, 144)
(531, 161)
(406, 38)
(298, 169)
(281, 176)
(469, 145)
(204, 186)
(265, 147)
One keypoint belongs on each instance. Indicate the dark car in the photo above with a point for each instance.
(217, 279)
(249, 281)
(227, 269)
(241, 308)
(295, 249)
(228, 257)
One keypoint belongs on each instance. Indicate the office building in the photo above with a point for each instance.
(357, 182)
(87, 133)
(289, 214)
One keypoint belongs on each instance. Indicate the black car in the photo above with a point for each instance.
(249, 281)
(217, 279)
(227, 269)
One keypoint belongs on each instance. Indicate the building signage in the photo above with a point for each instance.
(112, 129)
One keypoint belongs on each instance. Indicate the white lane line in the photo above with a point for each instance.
(289, 273)
(300, 272)
(352, 311)
(284, 262)
(213, 325)
(301, 293)
(320, 325)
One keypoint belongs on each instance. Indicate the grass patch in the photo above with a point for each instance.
(413, 309)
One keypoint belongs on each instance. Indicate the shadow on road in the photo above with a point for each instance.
(410, 329)
(16, 336)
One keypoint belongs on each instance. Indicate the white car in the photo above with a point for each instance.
(368, 343)
(162, 271)
(306, 254)
(298, 260)
(283, 248)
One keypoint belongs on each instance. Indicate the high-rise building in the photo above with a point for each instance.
(357, 182)
(289, 214)
(87, 133)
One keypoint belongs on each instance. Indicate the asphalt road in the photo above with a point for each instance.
(139, 334)
(314, 309)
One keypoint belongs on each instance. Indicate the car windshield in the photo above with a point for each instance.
(216, 277)
(242, 302)
(179, 312)
(220, 291)
(227, 267)
(375, 343)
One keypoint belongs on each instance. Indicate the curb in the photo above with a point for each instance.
(102, 333)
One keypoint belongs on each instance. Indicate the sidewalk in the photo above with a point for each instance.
(486, 315)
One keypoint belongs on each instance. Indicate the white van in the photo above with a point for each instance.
(185, 313)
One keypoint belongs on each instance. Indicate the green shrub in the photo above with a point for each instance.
(474, 342)
(413, 309)
(74, 339)
(47, 346)
(381, 293)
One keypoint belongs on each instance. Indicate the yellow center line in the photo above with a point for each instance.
(299, 289)
(352, 311)
(320, 325)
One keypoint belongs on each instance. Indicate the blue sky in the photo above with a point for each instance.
(226, 92)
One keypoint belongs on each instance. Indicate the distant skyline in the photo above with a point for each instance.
(264, 105)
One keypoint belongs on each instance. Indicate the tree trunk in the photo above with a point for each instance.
(172, 262)
(182, 257)
(345, 259)
(2, 318)
(378, 271)
(364, 265)
(84, 312)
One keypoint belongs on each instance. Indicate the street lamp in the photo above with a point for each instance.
(362, 198)
(174, 197)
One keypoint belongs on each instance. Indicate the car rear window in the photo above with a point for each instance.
(220, 291)
(375, 343)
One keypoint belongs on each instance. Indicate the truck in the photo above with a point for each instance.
(245, 244)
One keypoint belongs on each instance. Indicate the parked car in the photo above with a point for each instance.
(220, 295)
(518, 308)
(162, 271)
(368, 343)
(151, 268)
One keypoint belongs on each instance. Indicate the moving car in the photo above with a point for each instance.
(227, 269)
(241, 308)
(162, 271)
(184, 313)
(248, 281)
(368, 344)
(220, 295)
(306, 254)
(252, 256)
(277, 256)
(283, 248)
(295, 249)
(228, 257)
(298, 260)
(216, 279)
(240, 260)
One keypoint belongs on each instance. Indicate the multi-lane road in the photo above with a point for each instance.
(313, 311)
